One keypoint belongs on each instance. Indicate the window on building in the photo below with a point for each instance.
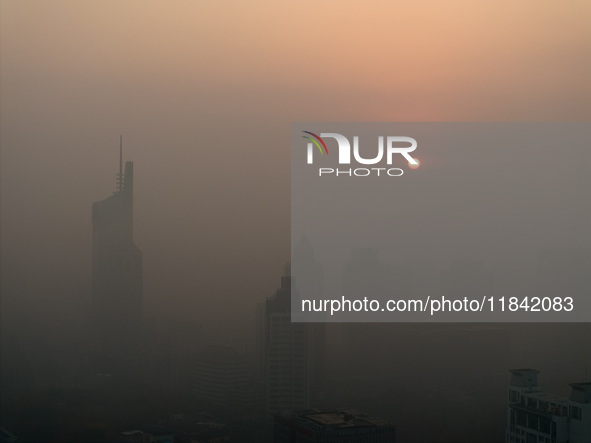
(575, 413)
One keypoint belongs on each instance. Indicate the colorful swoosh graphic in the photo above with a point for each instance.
(315, 142)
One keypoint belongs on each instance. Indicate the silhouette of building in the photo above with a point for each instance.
(337, 425)
(309, 274)
(287, 375)
(221, 376)
(259, 346)
(564, 271)
(536, 416)
(365, 275)
(116, 303)
(179, 427)
(170, 345)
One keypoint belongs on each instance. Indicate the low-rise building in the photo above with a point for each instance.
(332, 425)
(535, 416)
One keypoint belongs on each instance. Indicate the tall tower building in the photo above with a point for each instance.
(287, 377)
(308, 272)
(365, 275)
(116, 303)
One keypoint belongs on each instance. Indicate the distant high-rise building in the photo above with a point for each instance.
(170, 345)
(259, 346)
(335, 425)
(466, 278)
(365, 275)
(309, 275)
(564, 272)
(287, 378)
(535, 416)
(221, 376)
(116, 304)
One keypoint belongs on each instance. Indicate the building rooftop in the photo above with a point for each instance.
(524, 378)
(338, 418)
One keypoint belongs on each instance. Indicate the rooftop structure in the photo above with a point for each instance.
(343, 425)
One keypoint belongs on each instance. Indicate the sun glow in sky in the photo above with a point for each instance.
(204, 93)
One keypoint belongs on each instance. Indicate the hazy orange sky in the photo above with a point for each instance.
(204, 93)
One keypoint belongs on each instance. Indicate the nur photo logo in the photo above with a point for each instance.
(394, 145)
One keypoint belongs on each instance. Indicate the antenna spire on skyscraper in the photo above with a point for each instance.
(120, 176)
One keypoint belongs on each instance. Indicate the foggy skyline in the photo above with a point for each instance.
(204, 95)
(204, 101)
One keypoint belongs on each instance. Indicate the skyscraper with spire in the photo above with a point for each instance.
(116, 303)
